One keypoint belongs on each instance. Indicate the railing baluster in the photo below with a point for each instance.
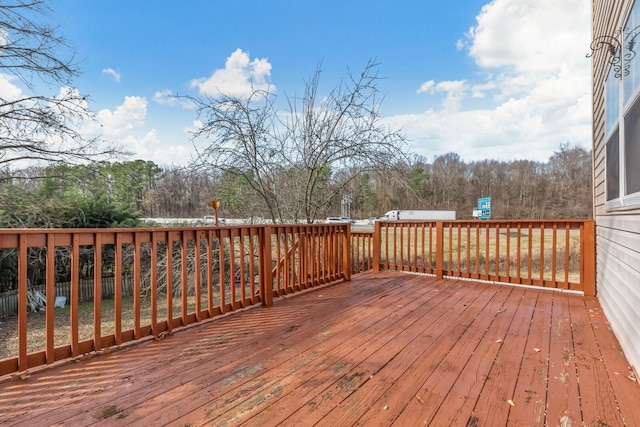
(278, 258)
(22, 302)
(458, 250)
(439, 249)
(567, 248)
(169, 280)
(184, 278)
(542, 237)
(385, 256)
(136, 285)
(153, 283)
(423, 235)
(415, 251)
(497, 251)
(507, 265)
(530, 253)
(477, 261)
(222, 291)
(346, 253)
(196, 274)
(210, 296)
(402, 232)
(554, 253)
(243, 284)
(266, 284)
(518, 259)
(468, 243)
(252, 268)
(232, 269)
(432, 267)
(313, 256)
(75, 295)
(51, 297)
(487, 251)
(97, 292)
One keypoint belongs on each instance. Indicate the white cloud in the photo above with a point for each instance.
(131, 114)
(9, 91)
(535, 91)
(427, 87)
(125, 126)
(455, 91)
(150, 147)
(164, 97)
(113, 73)
(239, 77)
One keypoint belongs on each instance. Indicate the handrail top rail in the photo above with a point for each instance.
(157, 229)
(488, 221)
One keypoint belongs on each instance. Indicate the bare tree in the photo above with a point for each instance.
(290, 161)
(35, 126)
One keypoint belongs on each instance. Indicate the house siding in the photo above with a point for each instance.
(617, 232)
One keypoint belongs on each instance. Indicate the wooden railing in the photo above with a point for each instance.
(309, 255)
(180, 276)
(186, 275)
(552, 254)
(361, 251)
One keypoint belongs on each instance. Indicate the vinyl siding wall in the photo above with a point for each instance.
(617, 231)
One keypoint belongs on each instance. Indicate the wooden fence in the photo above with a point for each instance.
(9, 299)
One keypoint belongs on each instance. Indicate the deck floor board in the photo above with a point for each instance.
(384, 349)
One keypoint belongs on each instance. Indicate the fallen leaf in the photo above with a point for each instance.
(510, 402)
(21, 375)
(537, 350)
(499, 341)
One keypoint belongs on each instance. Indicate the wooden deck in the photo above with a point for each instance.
(384, 349)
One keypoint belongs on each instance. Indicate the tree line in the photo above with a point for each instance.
(118, 194)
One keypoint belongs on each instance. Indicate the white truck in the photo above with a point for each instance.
(418, 215)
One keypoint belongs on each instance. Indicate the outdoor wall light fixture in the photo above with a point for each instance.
(612, 44)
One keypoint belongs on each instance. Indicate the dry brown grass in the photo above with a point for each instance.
(36, 324)
(486, 251)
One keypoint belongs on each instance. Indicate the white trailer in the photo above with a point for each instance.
(418, 215)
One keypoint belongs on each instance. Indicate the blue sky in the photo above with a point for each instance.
(501, 79)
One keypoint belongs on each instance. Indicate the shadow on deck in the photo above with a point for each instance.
(386, 348)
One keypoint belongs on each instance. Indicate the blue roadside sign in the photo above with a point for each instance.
(484, 208)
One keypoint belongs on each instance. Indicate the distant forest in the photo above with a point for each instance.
(120, 193)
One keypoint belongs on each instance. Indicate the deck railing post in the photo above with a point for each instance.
(22, 302)
(97, 292)
(266, 278)
(346, 252)
(588, 273)
(377, 245)
(439, 249)
(74, 303)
